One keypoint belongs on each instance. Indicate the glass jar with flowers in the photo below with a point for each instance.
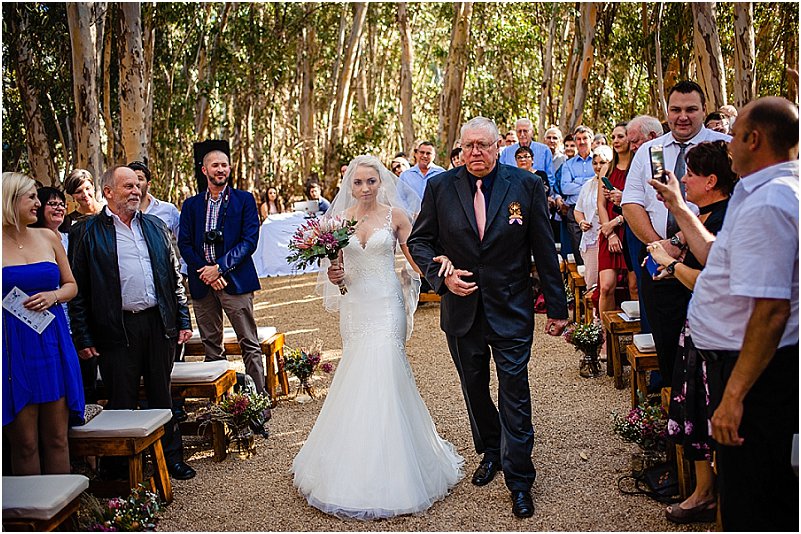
(136, 513)
(588, 339)
(242, 413)
(645, 425)
(303, 363)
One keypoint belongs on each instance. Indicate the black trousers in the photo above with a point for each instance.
(504, 433)
(574, 233)
(150, 356)
(666, 303)
(758, 487)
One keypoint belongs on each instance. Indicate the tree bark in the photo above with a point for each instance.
(132, 84)
(82, 17)
(343, 88)
(547, 73)
(571, 76)
(406, 89)
(107, 120)
(660, 77)
(589, 16)
(744, 53)
(450, 109)
(207, 69)
(148, 45)
(708, 56)
(306, 106)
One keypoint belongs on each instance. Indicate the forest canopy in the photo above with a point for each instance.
(300, 88)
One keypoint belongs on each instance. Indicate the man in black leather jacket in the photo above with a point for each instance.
(131, 305)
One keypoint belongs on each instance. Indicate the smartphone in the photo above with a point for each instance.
(652, 266)
(607, 183)
(658, 163)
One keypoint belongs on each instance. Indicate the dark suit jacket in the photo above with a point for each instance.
(501, 263)
(234, 255)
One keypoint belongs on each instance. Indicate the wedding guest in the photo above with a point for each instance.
(273, 204)
(42, 387)
(52, 213)
(314, 192)
(399, 164)
(81, 187)
(708, 184)
(598, 140)
(456, 157)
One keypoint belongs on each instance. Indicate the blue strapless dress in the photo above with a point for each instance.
(38, 368)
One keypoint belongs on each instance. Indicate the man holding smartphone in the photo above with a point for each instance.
(665, 300)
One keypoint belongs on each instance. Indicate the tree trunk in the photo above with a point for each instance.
(406, 89)
(107, 120)
(207, 69)
(589, 16)
(343, 88)
(547, 72)
(306, 106)
(81, 17)
(149, 43)
(132, 84)
(41, 162)
(450, 109)
(744, 53)
(660, 78)
(571, 76)
(708, 56)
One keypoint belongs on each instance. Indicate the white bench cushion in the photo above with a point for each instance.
(581, 269)
(229, 336)
(571, 258)
(123, 424)
(186, 372)
(644, 342)
(40, 496)
(631, 308)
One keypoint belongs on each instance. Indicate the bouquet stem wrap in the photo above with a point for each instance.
(335, 262)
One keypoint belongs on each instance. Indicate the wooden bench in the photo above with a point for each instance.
(618, 337)
(578, 284)
(685, 470)
(429, 297)
(126, 433)
(641, 364)
(41, 503)
(272, 346)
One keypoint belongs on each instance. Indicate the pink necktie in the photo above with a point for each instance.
(480, 208)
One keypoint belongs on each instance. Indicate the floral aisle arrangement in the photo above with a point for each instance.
(303, 363)
(645, 425)
(318, 239)
(242, 413)
(588, 339)
(137, 513)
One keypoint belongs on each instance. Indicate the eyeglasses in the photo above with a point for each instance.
(522, 157)
(57, 204)
(396, 168)
(478, 144)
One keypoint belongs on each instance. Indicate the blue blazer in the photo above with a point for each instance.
(234, 255)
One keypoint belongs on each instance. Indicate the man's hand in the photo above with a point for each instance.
(446, 268)
(208, 274)
(184, 336)
(555, 327)
(336, 272)
(726, 421)
(457, 286)
(669, 193)
(88, 353)
(219, 284)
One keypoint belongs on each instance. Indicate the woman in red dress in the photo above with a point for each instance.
(611, 258)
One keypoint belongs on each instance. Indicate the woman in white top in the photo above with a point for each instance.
(587, 215)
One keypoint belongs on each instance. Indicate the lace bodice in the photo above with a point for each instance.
(371, 265)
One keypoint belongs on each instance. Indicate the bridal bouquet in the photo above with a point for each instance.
(318, 239)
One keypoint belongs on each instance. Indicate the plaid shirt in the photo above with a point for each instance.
(212, 215)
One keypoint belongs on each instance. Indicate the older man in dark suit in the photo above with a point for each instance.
(482, 222)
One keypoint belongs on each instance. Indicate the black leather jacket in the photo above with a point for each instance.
(96, 312)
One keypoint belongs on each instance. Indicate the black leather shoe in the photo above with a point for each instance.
(522, 504)
(181, 471)
(486, 472)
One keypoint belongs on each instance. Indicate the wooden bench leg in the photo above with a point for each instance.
(218, 441)
(135, 471)
(163, 482)
(617, 362)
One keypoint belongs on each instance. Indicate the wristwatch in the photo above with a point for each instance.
(676, 242)
(671, 268)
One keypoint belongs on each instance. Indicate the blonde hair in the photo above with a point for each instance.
(15, 185)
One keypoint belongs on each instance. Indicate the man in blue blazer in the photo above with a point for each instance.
(487, 300)
(219, 231)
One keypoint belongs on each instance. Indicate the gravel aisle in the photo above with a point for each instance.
(571, 415)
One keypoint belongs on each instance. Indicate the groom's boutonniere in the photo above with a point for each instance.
(515, 215)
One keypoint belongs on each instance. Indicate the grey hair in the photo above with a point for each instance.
(525, 122)
(481, 123)
(555, 130)
(604, 152)
(107, 178)
(583, 130)
(646, 124)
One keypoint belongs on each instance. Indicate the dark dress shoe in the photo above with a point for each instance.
(181, 471)
(522, 504)
(486, 472)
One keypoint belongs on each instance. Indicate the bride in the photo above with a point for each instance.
(374, 451)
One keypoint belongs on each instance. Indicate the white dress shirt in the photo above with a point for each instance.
(754, 256)
(587, 204)
(166, 211)
(639, 191)
(137, 285)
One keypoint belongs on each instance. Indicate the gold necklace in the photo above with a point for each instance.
(19, 246)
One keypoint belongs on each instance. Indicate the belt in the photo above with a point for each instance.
(718, 355)
(140, 312)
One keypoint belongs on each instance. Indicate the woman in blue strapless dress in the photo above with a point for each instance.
(42, 386)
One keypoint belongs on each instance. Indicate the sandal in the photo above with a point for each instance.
(698, 514)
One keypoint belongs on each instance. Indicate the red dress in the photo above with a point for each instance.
(606, 259)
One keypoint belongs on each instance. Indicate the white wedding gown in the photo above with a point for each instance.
(374, 451)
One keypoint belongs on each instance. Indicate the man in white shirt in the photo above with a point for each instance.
(744, 319)
(665, 300)
(166, 211)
